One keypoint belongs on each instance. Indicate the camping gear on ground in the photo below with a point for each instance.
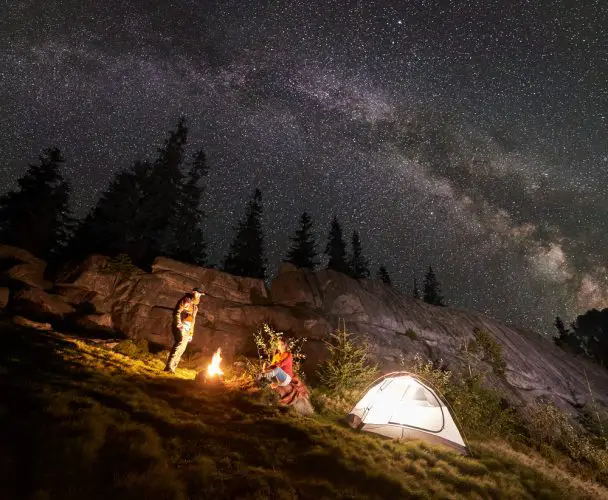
(401, 406)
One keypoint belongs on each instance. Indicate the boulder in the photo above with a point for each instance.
(4, 296)
(30, 273)
(295, 286)
(183, 277)
(39, 304)
(94, 274)
(14, 254)
(28, 323)
(95, 322)
(303, 406)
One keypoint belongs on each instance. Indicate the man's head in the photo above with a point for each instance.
(197, 292)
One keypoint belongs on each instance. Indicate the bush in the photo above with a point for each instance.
(349, 365)
(430, 373)
(595, 421)
(411, 334)
(548, 425)
(480, 412)
(121, 265)
(489, 350)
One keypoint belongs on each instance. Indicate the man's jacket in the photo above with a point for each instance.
(185, 310)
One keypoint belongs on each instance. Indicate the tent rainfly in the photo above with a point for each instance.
(400, 406)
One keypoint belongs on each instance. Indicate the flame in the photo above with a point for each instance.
(213, 368)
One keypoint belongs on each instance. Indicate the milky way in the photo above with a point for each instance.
(470, 137)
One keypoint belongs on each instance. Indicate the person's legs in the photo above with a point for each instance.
(177, 351)
(282, 377)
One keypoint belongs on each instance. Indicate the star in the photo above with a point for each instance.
(476, 147)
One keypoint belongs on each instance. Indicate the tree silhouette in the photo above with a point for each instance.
(591, 332)
(358, 264)
(246, 254)
(112, 226)
(303, 253)
(383, 275)
(161, 195)
(188, 242)
(561, 328)
(432, 291)
(36, 216)
(567, 339)
(336, 249)
(415, 291)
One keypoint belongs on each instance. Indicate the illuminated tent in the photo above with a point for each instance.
(400, 406)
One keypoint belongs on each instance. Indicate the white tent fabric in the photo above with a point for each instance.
(401, 406)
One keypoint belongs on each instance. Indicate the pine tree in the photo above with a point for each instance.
(349, 365)
(188, 242)
(161, 197)
(112, 227)
(358, 264)
(336, 249)
(432, 291)
(303, 252)
(36, 216)
(383, 275)
(415, 291)
(246, 254)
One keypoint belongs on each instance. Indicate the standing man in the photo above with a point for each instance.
(184, 316)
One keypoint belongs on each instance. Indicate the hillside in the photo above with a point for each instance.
(81, 421)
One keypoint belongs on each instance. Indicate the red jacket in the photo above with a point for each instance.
(284, 361)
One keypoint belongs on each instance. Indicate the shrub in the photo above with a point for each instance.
(489, 349)
(411, 334)
(481, 412)
(121, 265)
(550, 428)
(431, 373)
(266, 339)
(349, 365)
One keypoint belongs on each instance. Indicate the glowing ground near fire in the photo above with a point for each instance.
(87, 422)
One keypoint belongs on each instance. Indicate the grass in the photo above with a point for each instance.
(80, 421)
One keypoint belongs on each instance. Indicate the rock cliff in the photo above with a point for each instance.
(94, 295)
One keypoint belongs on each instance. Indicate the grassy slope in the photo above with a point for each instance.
(82, 422)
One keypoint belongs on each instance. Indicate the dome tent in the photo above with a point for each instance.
(401, 406)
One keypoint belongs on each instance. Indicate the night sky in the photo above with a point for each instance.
(470, 136)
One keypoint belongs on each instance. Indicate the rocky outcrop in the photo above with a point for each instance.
(141, 304)
(40, 304)
(19, 265)
(93, 295)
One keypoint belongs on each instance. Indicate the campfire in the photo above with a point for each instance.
(213, 374)
(214, 369)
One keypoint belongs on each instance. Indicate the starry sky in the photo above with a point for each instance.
(470, 135)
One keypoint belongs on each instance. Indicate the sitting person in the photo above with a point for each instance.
(281, 366)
